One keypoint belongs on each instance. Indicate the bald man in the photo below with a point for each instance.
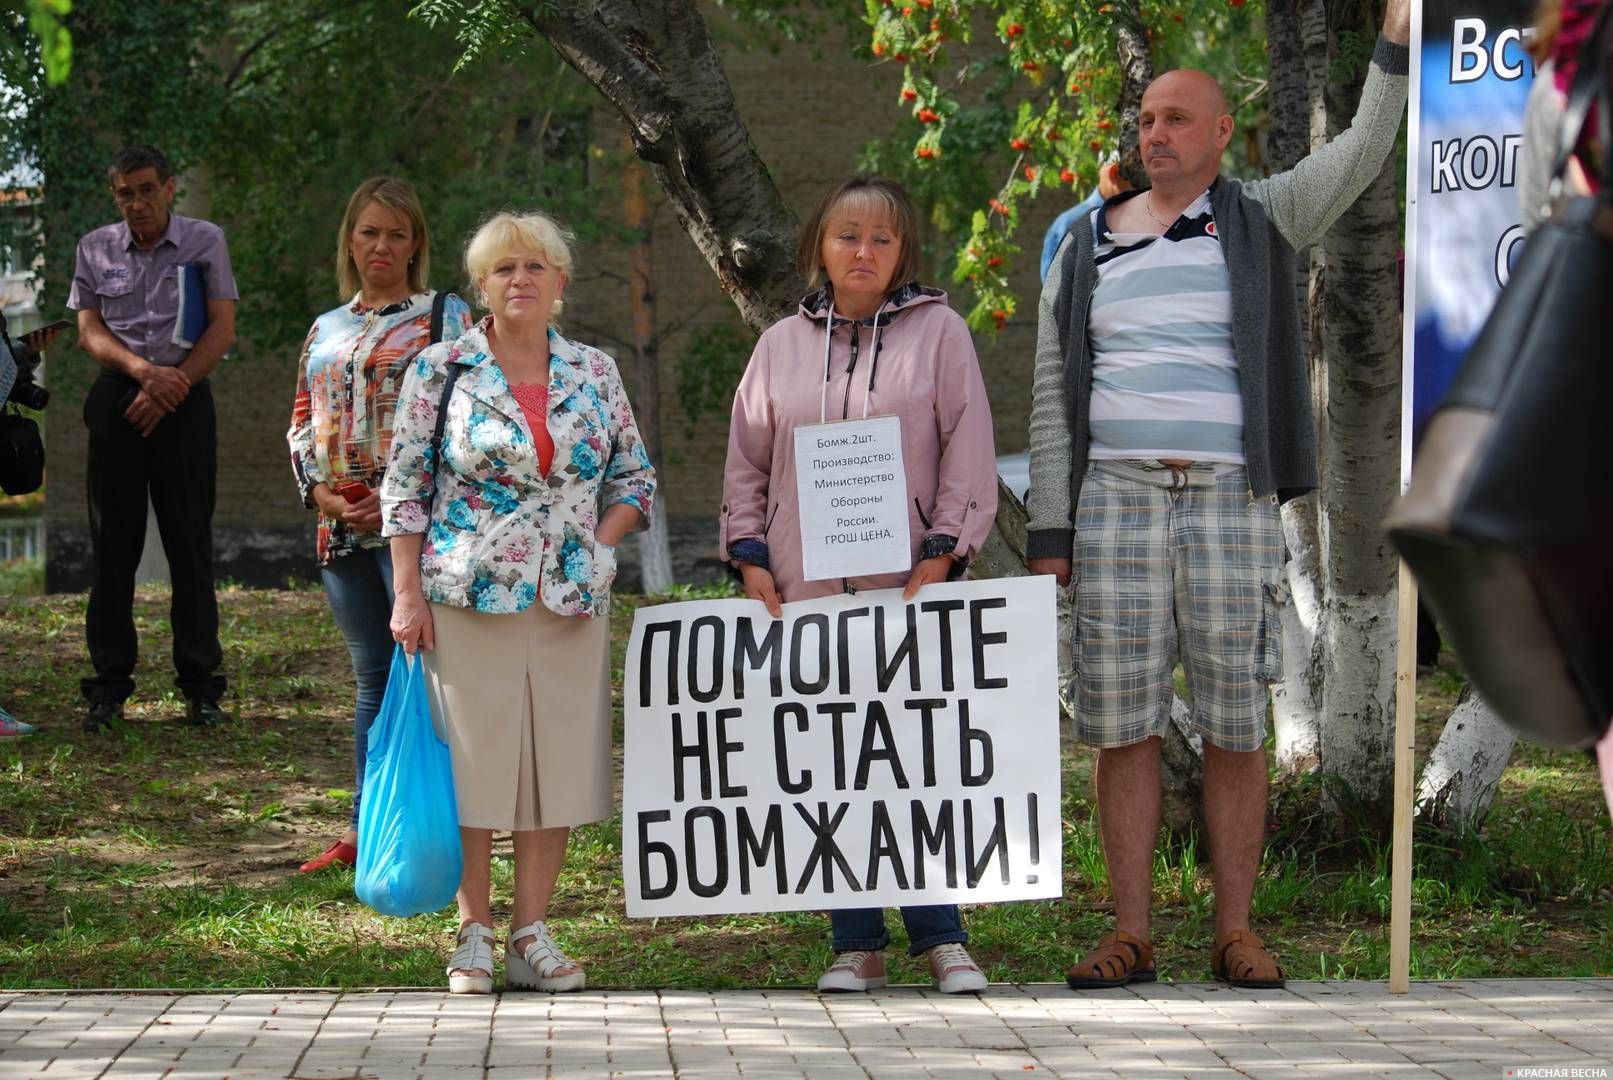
(1171, 414)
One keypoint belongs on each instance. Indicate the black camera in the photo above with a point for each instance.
(22, 451)
(25, 391)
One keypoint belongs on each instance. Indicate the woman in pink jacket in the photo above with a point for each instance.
(871, 342)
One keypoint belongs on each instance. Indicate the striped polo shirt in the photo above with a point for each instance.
(1164, 377)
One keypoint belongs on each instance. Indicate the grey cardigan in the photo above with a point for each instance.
(1261, 223)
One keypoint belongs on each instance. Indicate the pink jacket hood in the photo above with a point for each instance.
(918, 364)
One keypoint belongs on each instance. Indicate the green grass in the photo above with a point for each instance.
(22, 577)
(164, 856)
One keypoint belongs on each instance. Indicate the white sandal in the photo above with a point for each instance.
(534, 968)
(475, 953)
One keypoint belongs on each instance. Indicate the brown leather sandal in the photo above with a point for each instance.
(1118, 960)
(1240, 959)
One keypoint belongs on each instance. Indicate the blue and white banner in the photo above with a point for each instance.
(1470, 78)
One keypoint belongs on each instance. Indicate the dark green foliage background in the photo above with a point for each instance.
(272, 112)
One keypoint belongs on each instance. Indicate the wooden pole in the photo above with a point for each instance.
(1405, 775)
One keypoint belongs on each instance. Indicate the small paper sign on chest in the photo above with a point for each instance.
(852, 494)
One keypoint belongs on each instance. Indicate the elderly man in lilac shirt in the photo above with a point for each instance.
(152, 430)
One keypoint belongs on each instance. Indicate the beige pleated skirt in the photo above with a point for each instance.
(525, 699)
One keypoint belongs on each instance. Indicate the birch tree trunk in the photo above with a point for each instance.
(1464, 770)
(655, 543)
(1136, 72)
(1334, 707)
(1359, 462)
(1294, 29)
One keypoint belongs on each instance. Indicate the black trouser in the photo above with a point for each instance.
(178, 464)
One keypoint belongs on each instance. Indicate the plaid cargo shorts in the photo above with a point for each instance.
(1193, 572)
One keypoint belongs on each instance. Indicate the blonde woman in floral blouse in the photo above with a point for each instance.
(341, 430)
(503, 554)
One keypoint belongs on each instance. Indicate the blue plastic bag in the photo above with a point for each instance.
(409, 859)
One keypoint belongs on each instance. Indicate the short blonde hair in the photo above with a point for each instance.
(505, 234)
(399, 197)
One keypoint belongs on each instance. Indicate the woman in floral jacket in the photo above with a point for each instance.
(503, 554)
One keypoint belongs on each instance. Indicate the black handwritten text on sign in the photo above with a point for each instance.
(858, 752)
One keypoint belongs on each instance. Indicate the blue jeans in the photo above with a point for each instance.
(927, 925)
(359, 588)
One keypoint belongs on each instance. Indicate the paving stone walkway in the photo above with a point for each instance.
(1494, 1030)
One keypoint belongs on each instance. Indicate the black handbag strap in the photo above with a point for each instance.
(1593, 83)
(454, 371)
(438, 304)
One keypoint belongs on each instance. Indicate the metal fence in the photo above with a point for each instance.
(23, 538)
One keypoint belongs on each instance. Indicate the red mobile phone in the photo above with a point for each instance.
(354, 491)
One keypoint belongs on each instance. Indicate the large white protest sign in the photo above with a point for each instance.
(859, 751)
(852, 493)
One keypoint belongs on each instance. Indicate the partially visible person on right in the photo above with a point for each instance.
(1561, 32)
(1560, 37)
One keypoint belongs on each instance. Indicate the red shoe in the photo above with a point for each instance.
(339, 852)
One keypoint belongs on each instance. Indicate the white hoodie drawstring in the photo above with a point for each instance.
(828, 333)
(828, 337)
(873, 362)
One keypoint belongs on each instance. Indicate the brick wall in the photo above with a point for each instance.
(809, 112)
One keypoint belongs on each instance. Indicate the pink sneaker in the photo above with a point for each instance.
(953, 970)
(854, 969)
